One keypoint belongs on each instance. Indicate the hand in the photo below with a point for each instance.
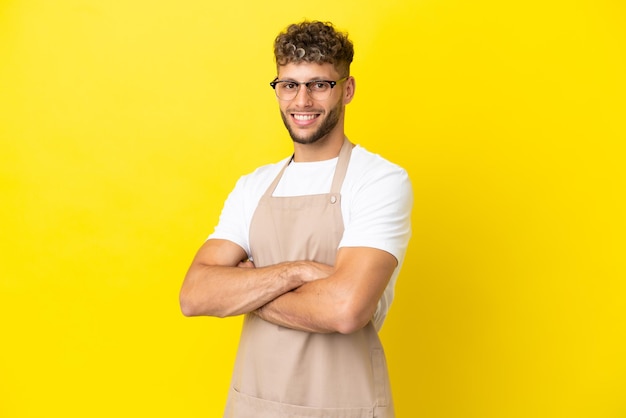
(246, 264)
(310, 270)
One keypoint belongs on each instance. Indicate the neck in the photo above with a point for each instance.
(323, 149)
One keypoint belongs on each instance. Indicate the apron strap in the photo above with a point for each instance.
(340, 171)
(342, 167)
(270, 190)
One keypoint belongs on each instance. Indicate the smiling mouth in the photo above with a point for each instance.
(305, 117)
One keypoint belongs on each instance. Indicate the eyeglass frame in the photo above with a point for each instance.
(332, 84)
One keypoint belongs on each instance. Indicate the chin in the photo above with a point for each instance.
(304, 141)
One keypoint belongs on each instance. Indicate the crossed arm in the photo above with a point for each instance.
(302, 295)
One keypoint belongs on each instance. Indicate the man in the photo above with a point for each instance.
(309, 250)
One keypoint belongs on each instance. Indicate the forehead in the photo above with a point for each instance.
(304, 71)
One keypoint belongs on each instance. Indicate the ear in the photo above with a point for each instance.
(348, 90)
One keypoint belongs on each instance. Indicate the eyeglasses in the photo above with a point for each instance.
(317, 89)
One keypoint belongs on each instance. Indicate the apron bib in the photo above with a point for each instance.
(284, 373)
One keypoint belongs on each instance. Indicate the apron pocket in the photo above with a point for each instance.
(240, 405)
(379, 369)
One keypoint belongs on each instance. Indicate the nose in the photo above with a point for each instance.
(303, 98)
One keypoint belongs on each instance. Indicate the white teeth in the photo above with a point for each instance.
(303, 117)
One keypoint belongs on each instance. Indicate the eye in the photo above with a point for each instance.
(288, 85)
(319, 85)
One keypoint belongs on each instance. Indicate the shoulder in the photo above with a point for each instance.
(262, 176)
(364, 160)
(250, 187)
(368, 168)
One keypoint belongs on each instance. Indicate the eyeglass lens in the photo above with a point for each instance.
(317, 90)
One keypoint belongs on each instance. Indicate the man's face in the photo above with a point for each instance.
(309, 120)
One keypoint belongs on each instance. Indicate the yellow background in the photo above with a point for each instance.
(124, 124)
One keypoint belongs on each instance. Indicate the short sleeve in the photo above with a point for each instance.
(232, 225)
(380, 211)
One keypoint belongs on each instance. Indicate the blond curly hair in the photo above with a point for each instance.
(317, 42)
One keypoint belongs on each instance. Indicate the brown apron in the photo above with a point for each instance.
(285, 373)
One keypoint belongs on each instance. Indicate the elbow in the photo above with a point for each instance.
(187, 311)
(351, 319)
(189, 306)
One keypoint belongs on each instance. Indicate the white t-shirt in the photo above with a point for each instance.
(376, 203)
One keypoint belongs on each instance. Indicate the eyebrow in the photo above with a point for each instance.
(310, 80)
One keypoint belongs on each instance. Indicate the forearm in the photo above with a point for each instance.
(222, 291)
(321, 306)
(345, 301)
